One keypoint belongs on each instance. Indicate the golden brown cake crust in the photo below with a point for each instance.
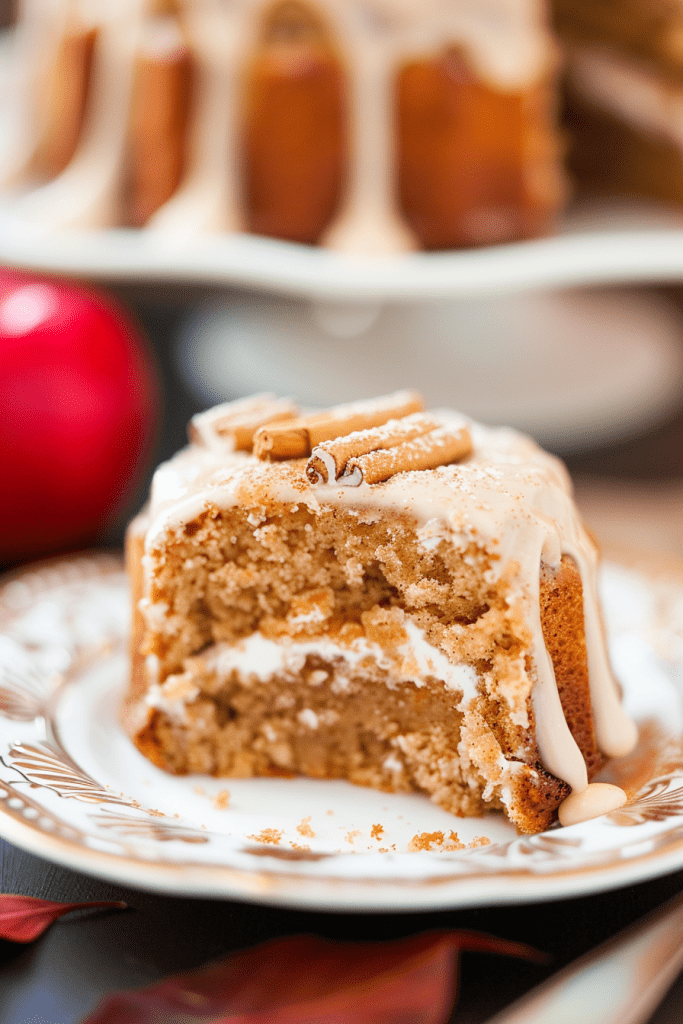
(562, 617)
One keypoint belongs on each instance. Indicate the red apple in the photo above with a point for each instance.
(78, 401)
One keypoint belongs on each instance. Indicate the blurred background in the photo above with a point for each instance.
(595, 373)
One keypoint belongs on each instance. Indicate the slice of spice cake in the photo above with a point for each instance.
(401, 599)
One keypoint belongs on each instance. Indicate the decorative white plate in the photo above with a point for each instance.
(608, 244)
(74, 790)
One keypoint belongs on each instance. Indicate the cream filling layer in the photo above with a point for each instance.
(258, 658)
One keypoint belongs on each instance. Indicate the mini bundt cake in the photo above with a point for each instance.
(402, 599)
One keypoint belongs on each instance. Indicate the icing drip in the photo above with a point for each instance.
(209, 198)
(616, 733)
(86, 193)
(559, 751)
(369, 222)
(41, 27)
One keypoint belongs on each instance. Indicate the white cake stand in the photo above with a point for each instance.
(573, 368)
(478, 329)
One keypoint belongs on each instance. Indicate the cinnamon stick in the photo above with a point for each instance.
(294, 440)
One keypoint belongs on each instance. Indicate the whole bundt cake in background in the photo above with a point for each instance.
(370, 126)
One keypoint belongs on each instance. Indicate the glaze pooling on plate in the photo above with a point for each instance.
(74, 790)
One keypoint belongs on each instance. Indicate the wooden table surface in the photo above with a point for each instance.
(632, 495)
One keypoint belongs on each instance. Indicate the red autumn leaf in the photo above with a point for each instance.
(24, 918)
(307, 980)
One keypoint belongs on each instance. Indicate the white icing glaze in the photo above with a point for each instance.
(509, 495)
(505, 41)
(209, 197)
(86, 193)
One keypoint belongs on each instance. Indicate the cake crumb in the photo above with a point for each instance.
(304, 828)
(425, 840)
(454, 842)
(222, 800)
(377, 831)
(351, 837)
(268, 835)
(296, 846)
(383, 849)
(480, 841)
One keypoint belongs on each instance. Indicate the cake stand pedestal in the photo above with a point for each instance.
(574, 368)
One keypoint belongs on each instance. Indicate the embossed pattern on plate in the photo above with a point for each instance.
(74, 789)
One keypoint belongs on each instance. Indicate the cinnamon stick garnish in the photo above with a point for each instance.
(329, 459)
(371, 456)
(232, 425)
(438, 448)
(296, 439)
